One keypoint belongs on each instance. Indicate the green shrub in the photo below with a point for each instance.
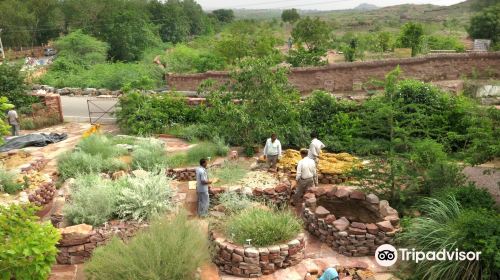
(27, 246)
(168, 249)
(149, 155)
(234, 202)
(99, 144)
(445, 225)
(193, 132)
(27, 123)
(205, 150)
(12, 86)
(8, 182)
(426, 152)
(444, 175)
(93, 200)
(264, 227)
(470, 197)
(71, 164)
(145, 197)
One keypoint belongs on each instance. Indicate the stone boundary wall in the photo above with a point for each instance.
(78, 242)
(254, 262)
(53, 104)
(346, 77)
(350, 238)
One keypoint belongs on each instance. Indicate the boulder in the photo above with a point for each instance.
(321, 212)
(341, 224)
(342, 193)
(358, 225)
(75, 235)
(372, 198)
(330, 219)
(359, 195)
(386, 210)
(385, 226)
(372, 228)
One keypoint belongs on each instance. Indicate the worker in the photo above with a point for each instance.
(306, 176)
(272, 151)
(13, 120)
(315, 147)
(329, 274)
(202, 183)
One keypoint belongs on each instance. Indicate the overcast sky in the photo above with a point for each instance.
(311, 4)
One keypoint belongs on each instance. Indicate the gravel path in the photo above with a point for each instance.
(486, 176)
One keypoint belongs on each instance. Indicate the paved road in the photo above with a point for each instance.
(76, 108)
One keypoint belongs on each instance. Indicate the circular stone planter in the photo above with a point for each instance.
(352, 223)
(248, 261)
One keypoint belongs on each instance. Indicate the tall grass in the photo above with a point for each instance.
(264, 227)
(201, 150)
(169, 249)
(230, 172)
(445, 225)
(234, 202)
(71, 164)
(99, 144)
(149, 155)
(8, 182)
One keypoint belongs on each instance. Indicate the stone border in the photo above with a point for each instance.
(78, 242)
(350, 238)
(253, 262)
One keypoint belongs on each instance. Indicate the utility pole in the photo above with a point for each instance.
(1, 45)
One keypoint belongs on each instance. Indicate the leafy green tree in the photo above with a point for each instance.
(80, 49)
(351, 50)
(301, 57)
(486, 24)
(224, 15)
(479, 5)
(411, 37)
(13, 88)
(290, 15)
(385, 41)
(314, 33)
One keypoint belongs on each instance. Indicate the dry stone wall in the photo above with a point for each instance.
(348, 77)
(344, 234)
(247, 261)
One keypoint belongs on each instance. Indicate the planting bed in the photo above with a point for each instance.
(349, 221)
(247, 261)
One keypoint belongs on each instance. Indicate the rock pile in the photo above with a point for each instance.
(254, 262)
(344, 234)
(182, 174)
(78, 242)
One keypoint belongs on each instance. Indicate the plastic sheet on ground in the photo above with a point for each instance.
(32, 140)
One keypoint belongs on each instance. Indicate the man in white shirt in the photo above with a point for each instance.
(13, 120)
(315, 148)
(272, 151)
(306, 176)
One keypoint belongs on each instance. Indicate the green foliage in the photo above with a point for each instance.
(223, 15)
(12, 87)
(152, 253)
(145, 197)
(290, 15)
(184, 59)
(350, 51)
(264, 227)
(234, 202)
(206, 149)
(411, 37)
(28, 246)
(268, 104)
(437, 42)
(92, 190)
(486, 24)
(441, 176)
(71, 164)
(8, 182)
(445, 225)
(230, 172)
(314, 33)
(426, 152)
(37, 122)
(469, 196)
(301, 57)
(149, 155)
(80, 50)
(192, 132)
(152, 113)
(100, 144)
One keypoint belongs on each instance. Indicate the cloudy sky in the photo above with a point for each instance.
(311, 4)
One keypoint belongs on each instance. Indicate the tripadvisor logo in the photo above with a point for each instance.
(387, 255)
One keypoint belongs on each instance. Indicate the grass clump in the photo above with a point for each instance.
(230, 172)
(99, 144)
(8, 182)
(145, 197)
(234, 202)
(205, 150)
(149, 155)
(168, 249)
(71, 164)
(263, 226)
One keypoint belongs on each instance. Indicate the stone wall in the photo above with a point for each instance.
(348, 77)
(344, 234)
(52, 103)
(78, 242)
(254, 262)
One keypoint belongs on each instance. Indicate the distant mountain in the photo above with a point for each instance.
(366, 7)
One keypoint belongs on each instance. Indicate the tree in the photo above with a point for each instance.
(385, 41)
(290, 15)
(486, 24)
(314, 33)
(13, 88)
(82, 49)
(411, 37)
(224, 15)
(479, 5)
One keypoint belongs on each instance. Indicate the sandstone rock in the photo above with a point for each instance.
(118, 174)
(330, 219)
(251, 252)
(139, 173)
(385, 226)
(356, 231)
(393, 219)
(358, 225)
(330, 191)
(321, 212)
(386, 210)
(341, 224)
(372, 198)
(309, 196)
(359, 195)
(281, 188)
(372, 228)
(75, 235)
(342, 193)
